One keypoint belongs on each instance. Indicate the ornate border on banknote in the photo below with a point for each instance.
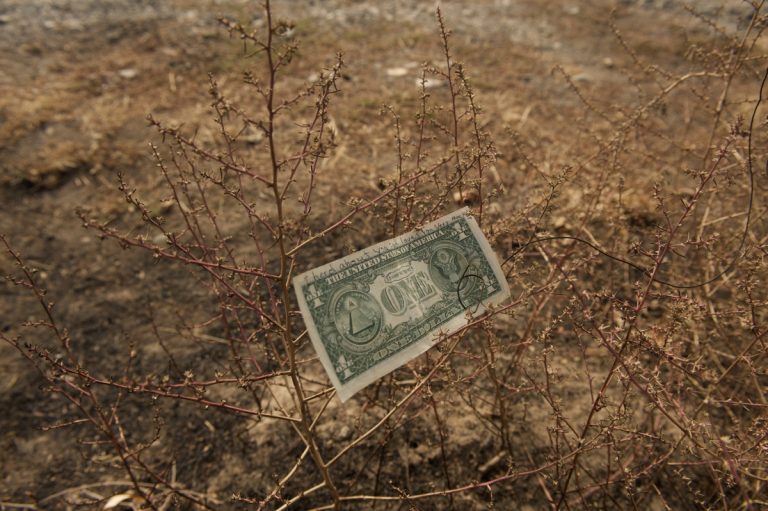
(373, 311)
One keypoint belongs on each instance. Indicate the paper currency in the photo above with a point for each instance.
(373, 311)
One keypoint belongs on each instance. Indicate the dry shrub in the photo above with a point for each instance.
(626, 372)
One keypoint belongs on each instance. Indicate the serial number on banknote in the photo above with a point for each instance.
(373, 311)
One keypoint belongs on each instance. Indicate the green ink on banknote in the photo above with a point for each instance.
(373, 311)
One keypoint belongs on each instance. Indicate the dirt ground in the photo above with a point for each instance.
(77, 81)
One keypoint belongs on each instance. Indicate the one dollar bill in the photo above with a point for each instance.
(373, 311)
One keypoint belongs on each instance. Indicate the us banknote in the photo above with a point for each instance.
(373, 311)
